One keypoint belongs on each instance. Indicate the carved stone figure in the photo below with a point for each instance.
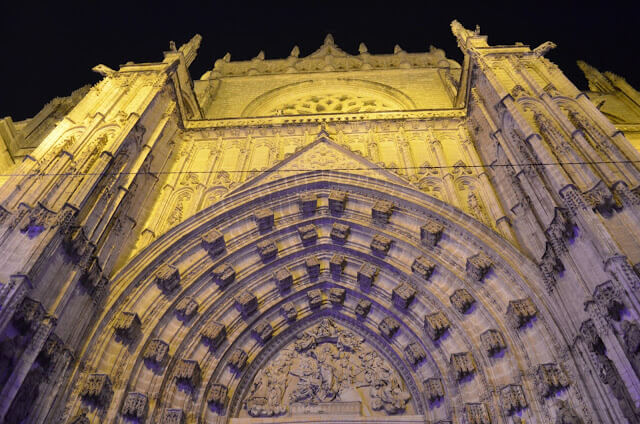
(337, 295)
(246, 302)
(436, 324)
(381, 211)
(188, 372)
(478, 266)
(414, 353)
(167, 278)
(423, 267)
(213, 242)
(512, 398)
(28, 315)
(127, 326)
(224, 274)
(308, 234)
(135, 405)
(313, 266)
(461, 300)
(477, 413)
(315, 298)
(403, 295)
(431, 232)
(264, 219)
(308, 203)
(238, 359)
(337, 201)
(187, 306)
(173, 416)
(263, 331)
(493, 342)
(97, 388)
(337, 264)
(463, 364)
(366, 275)
(157, 351)
(551, 379)
(289, 311)
(284, 279)
(381, 244)
(325, 365)
(363, 307)
(340, 232)
(218, 396)
(434, 390)
(267, 249)
(388, 327)
(631, 336)
(521, 312)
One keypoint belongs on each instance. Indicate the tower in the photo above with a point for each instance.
(329, 238)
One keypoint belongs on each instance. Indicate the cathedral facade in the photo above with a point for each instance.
(336, 238)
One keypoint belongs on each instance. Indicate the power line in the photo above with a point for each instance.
(268, 171)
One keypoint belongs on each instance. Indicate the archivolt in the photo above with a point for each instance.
(134, 290)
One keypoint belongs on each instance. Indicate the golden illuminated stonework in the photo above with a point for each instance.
(336, 238)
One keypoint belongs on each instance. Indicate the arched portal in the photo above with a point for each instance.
(452, 311)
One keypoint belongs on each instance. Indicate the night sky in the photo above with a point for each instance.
(49, 49)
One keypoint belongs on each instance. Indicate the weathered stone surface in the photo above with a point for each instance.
(263, 331)
(423, 267)
(224, 274)
(218, 396)
(337, 201)
(381, 244)
(289, 311)
(512, 399)
(127, 326)
(167, 278)
(551, 379)
(308, 234)
(493, 342)
(246, 302)
(388, 327)
(264, 219)
(315, 298)
(135, 405)
(363, 307)
(214, 334)
(313, 266)
(238, 359)
(463, 364)
(520, 312)
(337, 295)
(213, 242)
(478, 266)
(267, 249)
(283, 278)
(366, 275)
(403, 295)
(337, 264)
(188, 372)
(381, 211)
(436, 324)
(173, 416)
(414, 353)
(461, 300)
(97, 389)
(434, 389)
(308, 203)
(430, 233)
(340, 231)
(187, 307)
(157, 351)
(477, 413)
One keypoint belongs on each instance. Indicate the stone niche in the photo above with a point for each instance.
(331, 370)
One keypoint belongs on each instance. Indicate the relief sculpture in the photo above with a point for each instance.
(326, 364)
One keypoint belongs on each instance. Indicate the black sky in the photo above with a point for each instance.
(49, 49)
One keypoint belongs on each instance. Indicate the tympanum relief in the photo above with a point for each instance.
(327, 369)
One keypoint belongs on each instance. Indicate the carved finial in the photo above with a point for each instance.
(460, 32)
(103, 70)
(172, 46)
(477, 30)
(397, 49)
(362, 48)
(260, 55)
(328, 40)
(544, 48)
(295, 52)
(597, 81)
(227, 57)
(190, 49)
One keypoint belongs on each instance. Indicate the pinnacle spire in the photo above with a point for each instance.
(190, 49)
(328, 40)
